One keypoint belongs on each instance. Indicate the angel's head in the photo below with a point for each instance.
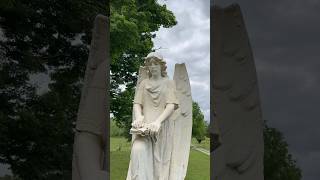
(155, 65)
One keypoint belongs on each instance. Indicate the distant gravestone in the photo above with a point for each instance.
(238, 125)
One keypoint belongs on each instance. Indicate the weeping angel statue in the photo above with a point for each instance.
(162, 122)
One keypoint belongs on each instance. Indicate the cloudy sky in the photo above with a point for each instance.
(285, 38)
(189, 42)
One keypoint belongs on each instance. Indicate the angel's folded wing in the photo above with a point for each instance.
(238, 118)
(92, 113)
(183, 124)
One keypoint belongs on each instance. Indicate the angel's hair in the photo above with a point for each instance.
(156, 60)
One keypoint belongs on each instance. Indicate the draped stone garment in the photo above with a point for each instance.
(150, 160)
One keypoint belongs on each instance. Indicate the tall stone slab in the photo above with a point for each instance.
(91, 144)
(238, 124)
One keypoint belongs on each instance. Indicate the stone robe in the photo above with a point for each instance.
(150, 160)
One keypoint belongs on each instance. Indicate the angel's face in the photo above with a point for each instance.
(155, 69)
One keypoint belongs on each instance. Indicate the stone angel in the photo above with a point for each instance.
(162, 122)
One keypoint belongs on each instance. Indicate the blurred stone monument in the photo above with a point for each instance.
(237, 130)
(91, 145)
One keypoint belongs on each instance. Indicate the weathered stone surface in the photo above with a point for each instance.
(91, 143)
(237, 118)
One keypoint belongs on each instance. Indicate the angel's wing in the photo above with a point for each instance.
(238, 119)
(92, 113)
(143, 74)
(183, 124)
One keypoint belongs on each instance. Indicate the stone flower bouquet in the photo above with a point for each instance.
(144, 130)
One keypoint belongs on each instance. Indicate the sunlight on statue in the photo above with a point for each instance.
(162, 122)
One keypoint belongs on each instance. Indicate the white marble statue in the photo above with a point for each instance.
(90, 143)
(162, 123)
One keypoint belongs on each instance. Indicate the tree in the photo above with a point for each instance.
(52, 37)
(36, 130)
(133, 25)
(199, 129)
(278, 162)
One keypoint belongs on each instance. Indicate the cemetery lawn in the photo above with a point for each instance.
(198, 168)
(205, 144)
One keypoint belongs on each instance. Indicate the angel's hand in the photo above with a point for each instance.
(138, 123)
(154, 128)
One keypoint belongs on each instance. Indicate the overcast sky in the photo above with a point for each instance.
(189, 42)
(285, 38)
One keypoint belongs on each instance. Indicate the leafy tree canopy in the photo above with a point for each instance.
(199, 129)
(278, 162)
(50, 37)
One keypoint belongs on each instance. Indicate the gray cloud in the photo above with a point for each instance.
(284, 35)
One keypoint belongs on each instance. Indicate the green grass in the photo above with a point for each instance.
(119, 163)
(119, 144)
(198, 168)
(205, 144)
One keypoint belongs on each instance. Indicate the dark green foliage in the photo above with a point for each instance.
(7, 177)
(278, 162)
(199, 129)
(36, 130)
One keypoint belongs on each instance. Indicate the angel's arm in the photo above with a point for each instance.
(166, 113)
(137, 103)
(138, 112)
(138, 120)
